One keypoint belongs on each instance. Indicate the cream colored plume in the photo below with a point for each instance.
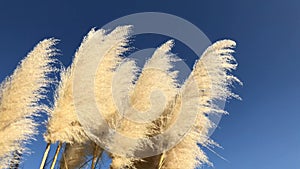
(122, 83)
(107, 59)
(156, 77)
(63, 124)
(106, 90)
(19, 100)
(123, 80)
(211, 75)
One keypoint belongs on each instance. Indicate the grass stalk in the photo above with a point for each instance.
(56, 155)
(95, 156)
(42, 166)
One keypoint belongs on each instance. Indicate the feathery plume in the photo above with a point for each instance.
(210, 74)
(156, 76)
(113, 47)
(124, 78)
(117, 41)
(63, 124)
(20, 96)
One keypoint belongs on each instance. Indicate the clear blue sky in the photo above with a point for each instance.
(261, 132)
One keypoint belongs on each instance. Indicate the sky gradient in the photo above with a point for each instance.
(261, 131)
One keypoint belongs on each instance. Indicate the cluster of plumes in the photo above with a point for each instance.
(120, 88)
(211, 78)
